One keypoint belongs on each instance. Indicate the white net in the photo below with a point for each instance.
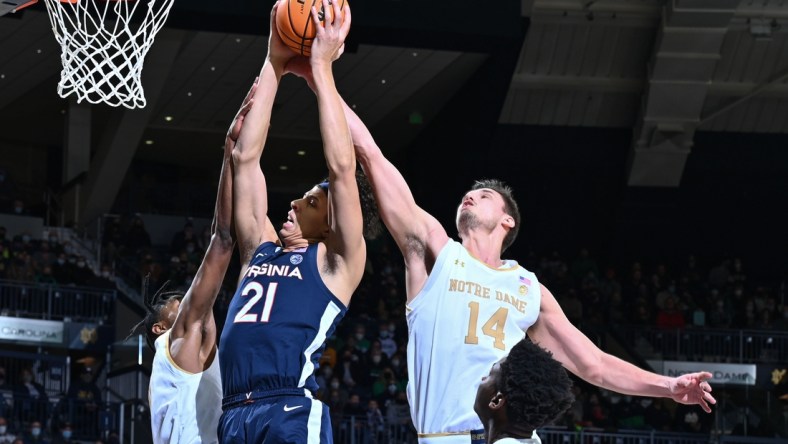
(104, 43)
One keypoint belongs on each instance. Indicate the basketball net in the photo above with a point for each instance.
(104, 43)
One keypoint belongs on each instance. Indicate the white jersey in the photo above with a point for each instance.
(466, 318)
(185, 407)
(517, 441)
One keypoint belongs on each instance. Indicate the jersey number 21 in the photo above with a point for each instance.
(256, 288)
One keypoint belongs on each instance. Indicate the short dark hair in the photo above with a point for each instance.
(154, 305)
(536, 387)
(509, 206)
(369, 206)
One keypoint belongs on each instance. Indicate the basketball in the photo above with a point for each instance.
(294, 23)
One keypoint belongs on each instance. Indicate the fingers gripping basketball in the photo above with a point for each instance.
(295, 26)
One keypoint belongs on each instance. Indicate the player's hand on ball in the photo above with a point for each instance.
(330, 38)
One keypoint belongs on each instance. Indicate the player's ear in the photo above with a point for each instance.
(158, 328)
(497, 402)
(508, 221)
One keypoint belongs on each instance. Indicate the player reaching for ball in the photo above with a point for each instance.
(290, 296)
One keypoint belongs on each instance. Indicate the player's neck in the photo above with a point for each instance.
(290, 244)
(485, 247)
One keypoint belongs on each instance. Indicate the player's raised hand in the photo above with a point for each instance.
(329, 43)
(693, 388)
(237, 123)
(278, 52)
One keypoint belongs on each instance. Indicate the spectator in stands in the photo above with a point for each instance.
(719, 316)
(5, 389)
(137, 238)
(30, 398)
(103, 280)
(375, 423)
(669, 317)
(36, 434)
(85, 399)
(19, 207)
(182, 237)
(62, 270)
(45, 276)
(386, 338)
(64, 436)
(82, 273)
(398, 418)
(362, 342)
(19, 441)
(351, 367)
(6, 437)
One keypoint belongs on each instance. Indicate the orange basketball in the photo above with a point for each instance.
(294, 22)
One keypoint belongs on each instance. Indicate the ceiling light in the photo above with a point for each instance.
(168, 118)
(38, 51)
(415, 54)
(237, 40)
(189, 93)
(283, 167)
(148, 142)
(383, 81)
(301, 152)
(213, 68)
(353, 106)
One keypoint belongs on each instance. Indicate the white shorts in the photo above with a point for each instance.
(456, 438)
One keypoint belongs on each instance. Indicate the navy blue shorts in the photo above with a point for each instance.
(275, 420)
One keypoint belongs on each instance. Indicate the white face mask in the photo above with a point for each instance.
(3, 429)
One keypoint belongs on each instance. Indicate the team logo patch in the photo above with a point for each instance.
(523, 290)
(296, 259)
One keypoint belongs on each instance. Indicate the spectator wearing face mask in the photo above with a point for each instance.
(6, 437)
(82, 273)
(19, 207)
(65, 435)
(386, 338)
(35, 434)
(62, 270)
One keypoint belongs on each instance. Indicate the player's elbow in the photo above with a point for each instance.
(243, 154)
(222, 239)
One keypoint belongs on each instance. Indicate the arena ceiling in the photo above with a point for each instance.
(664, 69)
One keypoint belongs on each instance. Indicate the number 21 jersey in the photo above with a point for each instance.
(277, 323)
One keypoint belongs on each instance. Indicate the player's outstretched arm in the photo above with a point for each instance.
(346, 251)
(402, 216)
(579, 355)
(250, 196)
(193, 335)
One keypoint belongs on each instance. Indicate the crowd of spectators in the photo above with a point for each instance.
(31, 413)
(47, 261)
(363, 372)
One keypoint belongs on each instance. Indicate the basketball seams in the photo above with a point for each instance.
(289, 21)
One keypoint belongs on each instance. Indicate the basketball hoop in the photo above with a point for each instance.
(104, 43)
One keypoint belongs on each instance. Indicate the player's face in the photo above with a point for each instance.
(480, 208)
(308, 216)
(488, 389)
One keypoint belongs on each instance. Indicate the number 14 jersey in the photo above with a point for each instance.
(277, 323)
(467, 317)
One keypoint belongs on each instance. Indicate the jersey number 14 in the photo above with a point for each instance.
(494, 327)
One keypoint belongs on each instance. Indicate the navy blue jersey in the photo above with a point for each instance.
(277, 323)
